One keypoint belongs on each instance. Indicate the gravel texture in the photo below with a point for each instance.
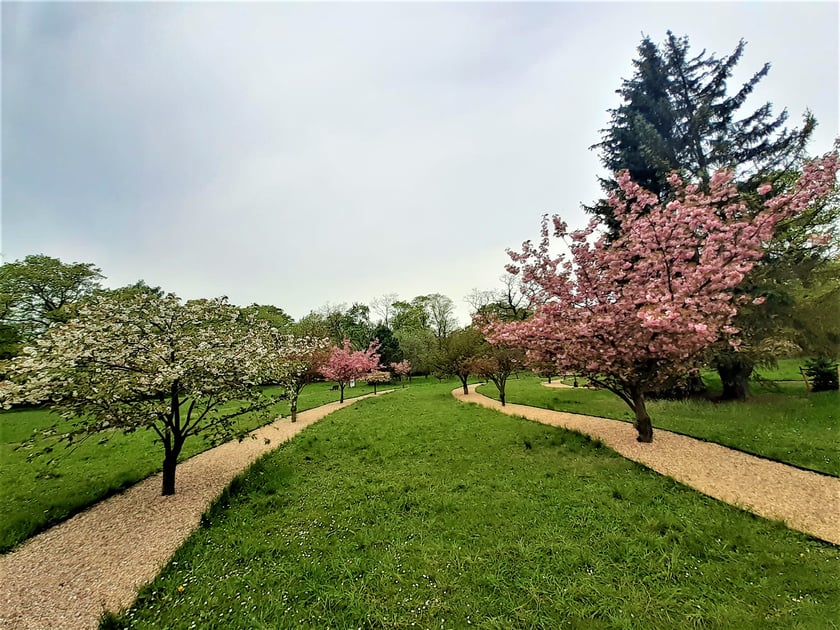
(65, 576)
(803, 500)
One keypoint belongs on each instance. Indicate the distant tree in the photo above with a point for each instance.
(344, 365)
(510, 303)
(417, 345)
(145, 362)
(273, 315)
(377, 377)
(383, 306)
(497, 364)
(410, 315)
(441, 313)
(389, 345)
(132, 289)
(454, 355)
(39, 291)
(403, 368)
(294, 363)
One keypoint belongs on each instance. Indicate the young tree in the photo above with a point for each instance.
(296, 362)
(38, 291)
(377, 377)
(454, 356)
(403, 368)
(634, 314)
(345, 365)
(145, 362)
(497, 364)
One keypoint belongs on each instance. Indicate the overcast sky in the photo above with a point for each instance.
(299, 154)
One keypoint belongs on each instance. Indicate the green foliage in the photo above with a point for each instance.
(40, 290)
(273, 315)
(412, 510)
(823, 374)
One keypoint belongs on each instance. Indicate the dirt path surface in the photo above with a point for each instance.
(65, 576)
(805, 501)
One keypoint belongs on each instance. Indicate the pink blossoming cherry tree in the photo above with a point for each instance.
(634, 314)
(345, 365)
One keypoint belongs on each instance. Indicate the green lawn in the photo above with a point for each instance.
(37, 494)
(415, 510)
(781, 420)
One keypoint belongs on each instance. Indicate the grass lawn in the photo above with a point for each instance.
(415, 510)
(781, 421)
(37, 494)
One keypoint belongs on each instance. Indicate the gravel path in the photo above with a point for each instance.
(65, 576)
(805, 501)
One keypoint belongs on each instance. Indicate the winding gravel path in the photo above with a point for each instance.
(65, 576)
(805, 501)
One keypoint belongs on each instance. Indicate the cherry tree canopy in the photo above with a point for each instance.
(633, 314)
(345, 365)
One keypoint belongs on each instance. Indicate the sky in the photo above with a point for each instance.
(305, 154)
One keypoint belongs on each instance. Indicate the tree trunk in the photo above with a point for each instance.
(464, 384)
(341, 385)
(735, 377)
(170, 461)
(643, 426)
(500, 385)
(293, 408)
(549, 379)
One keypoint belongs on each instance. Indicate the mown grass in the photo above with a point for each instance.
(39, 493)
(414, 510)
(780, 421)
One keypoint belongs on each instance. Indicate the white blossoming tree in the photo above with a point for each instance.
(146, 362)
(294, 362)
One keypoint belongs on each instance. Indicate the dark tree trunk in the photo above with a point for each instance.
(293, 408)
(500, 385)
(341, 385)
(549, 379)
(643, 426)
(464, 383)
(735, 378)
(170, 461)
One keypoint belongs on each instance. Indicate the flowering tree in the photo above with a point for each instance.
(295, 362)
(145, 361)
(344, 365)
(403, 368)
(634, 314)
(376, 377)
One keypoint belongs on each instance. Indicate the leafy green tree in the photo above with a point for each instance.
(273, 315)
(39, 290)
(453, 356)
